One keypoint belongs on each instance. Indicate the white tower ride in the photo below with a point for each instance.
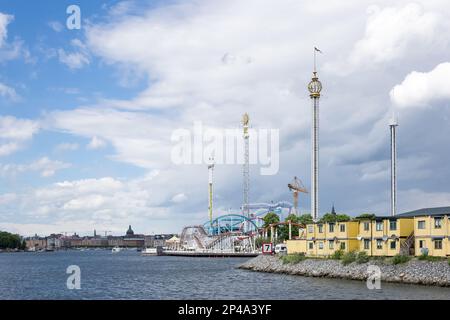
(246, 167)
(314, 88)
(210, 190)
(393, 124)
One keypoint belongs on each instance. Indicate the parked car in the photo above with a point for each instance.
(280, 248)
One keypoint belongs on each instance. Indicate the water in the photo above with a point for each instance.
(128, 275)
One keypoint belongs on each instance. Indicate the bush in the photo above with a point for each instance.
(337, 255)
(426, 257)
(400, 258)
(362, 257)
(348, 258)
(293, 258)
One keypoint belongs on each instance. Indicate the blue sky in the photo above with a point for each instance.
(86, 115)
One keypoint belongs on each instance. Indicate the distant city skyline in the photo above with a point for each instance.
(87, 115)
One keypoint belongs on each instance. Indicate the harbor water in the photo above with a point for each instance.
(128, 275)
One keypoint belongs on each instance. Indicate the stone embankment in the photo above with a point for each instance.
(414, 271)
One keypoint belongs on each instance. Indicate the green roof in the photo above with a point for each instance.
(439, 211)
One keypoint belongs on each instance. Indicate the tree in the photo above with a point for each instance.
(366, 216)
(328, 217)
(269, 219)
(9, 240)
(305, 219)
(283, 230)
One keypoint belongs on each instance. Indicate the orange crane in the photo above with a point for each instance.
(296, 186)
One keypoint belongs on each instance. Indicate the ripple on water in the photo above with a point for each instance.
(127, 275)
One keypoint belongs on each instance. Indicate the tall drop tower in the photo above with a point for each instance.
(314, 88)
(210, 190)
(393, 124)
(246, 166)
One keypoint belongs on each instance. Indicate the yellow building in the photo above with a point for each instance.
(431, 231)
(323, 239)
(386, 236)
(411, 233)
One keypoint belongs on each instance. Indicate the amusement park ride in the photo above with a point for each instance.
(238, 232)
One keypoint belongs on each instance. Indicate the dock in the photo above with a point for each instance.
(209, 254)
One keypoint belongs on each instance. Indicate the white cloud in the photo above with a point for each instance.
(76, 59)
(44, 166)
(178, 198)
(14, 133)
(420, 89)
(391, 31)
(96, 143)
(67, 147)
(5, 19)
(56, 26)
(8, 92)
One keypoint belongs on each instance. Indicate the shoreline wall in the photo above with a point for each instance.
(435, 273)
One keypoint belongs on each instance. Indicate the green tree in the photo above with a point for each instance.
(9, 241)
(364, 216)
(328, 217)
(305, 219)
(283, 231)
(270, 218)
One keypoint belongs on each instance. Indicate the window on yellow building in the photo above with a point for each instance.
(311, 246)
(438, 244)
(393, 244)
(331, 227)
(342, 227)
(342, 245)
(438, 223)
(320, 245)
(331, 244)
(379, 226)
(366, 226)
(310, 229)
(320, 228)
(379, 244)
(421, 224)
(366, 244)
(420, 244)
(393, 225)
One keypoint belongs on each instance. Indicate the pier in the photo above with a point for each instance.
(208, 254)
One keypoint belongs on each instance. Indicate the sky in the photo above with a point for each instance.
(87, 115)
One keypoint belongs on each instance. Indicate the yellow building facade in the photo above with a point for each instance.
(386, 236)
(323, 239)
(424, 231)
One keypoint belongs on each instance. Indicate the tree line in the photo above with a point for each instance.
(11, 241)
(283, 230)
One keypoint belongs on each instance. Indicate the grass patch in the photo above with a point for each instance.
(425, 257)
(362, 257)
(348, 258)
(293, 258)
(337, 255)
(400, 258)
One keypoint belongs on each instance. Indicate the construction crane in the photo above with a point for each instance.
(296, 186)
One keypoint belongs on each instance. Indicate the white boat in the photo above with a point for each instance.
(116, 249)
(149, 252)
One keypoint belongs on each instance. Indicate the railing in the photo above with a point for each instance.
(407, 247)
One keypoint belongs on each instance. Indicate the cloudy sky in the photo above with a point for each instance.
(86, 116)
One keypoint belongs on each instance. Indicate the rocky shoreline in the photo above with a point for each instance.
(435, 273)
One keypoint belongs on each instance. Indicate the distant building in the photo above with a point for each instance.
(36, 243)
